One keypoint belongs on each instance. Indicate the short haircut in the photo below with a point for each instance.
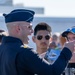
(42, 26)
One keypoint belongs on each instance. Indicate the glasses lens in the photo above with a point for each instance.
(47, 37)
(39, 37)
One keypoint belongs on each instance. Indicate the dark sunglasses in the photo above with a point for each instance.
(39, 37)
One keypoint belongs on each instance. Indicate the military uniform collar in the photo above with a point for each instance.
(8, 39)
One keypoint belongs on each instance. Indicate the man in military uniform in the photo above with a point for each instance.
(16, 60)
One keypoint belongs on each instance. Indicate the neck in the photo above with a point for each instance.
(41, 50)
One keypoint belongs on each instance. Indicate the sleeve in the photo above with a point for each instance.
(32, 63)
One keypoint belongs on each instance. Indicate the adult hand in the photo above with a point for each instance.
(70, 45)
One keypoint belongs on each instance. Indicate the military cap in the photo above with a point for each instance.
(71, 30)
(19, 15)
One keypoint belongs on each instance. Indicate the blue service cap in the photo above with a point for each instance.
(19, 15)
(71, 30)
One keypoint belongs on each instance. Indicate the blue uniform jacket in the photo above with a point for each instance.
(16, 60)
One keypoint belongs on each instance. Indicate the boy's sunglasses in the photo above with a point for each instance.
(39, 37)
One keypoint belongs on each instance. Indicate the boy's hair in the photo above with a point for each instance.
(42, 26)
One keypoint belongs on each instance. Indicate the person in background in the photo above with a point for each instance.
(42, 39)
(62, 40)
(17, 60)
(55, 48)
(42, 35)
(55, 38)
(69, 34)
(2, 34)
(52, 45)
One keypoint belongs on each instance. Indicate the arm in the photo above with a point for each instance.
(32, 63)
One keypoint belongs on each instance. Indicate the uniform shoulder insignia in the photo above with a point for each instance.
(25, 46)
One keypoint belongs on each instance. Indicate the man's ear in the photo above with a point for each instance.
(33, 38)
(17, 28)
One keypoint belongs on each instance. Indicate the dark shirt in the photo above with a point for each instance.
(16, 60)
